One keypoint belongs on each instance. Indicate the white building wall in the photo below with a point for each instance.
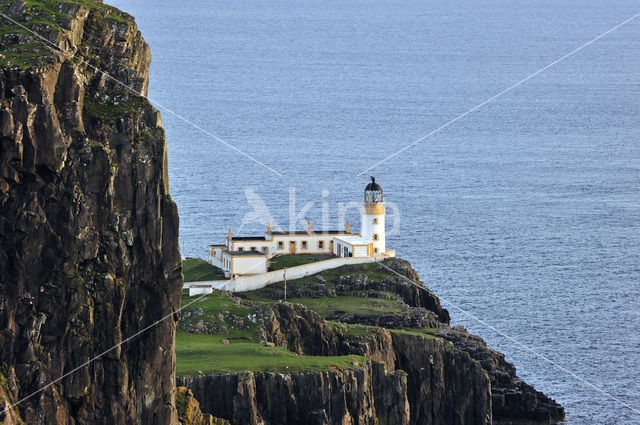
(249, 264)
(247, 245)
(359, 251)
(200, 290)
(342, 249)
(369, 229)
(312, 244)
(273, 246)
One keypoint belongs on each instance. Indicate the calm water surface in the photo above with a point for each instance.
(525, 213)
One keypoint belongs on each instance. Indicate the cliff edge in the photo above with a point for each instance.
(88, 232)
(359, 344)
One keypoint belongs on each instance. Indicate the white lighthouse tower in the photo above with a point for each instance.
(372, 219)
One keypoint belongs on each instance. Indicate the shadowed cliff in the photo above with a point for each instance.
(88, 232)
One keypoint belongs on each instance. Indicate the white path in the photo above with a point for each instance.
(257, 281)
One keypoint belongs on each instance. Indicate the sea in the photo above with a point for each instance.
(523, 215)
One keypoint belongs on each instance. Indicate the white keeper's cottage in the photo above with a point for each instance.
(250, 255)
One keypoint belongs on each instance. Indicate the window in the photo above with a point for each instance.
(265, 249)
(320, 244)
(253, 248)
(375, 237)
(375, 250)
(304, 244)
(375, 220)
(240, 249)
(280, 245)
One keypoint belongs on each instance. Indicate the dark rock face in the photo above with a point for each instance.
(411, 379)
(445, 385)
(300, 330)
(362, 396)
(513, 401)
(440, 376)
(88, 232)
(440, 386)
(189, 412)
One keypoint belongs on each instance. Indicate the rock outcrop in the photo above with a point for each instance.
(88, 232)
(189, 412)
(513, 401)
(363, 396)
(89, 258)
(415, 376)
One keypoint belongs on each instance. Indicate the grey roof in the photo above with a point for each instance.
(248, 238)
(373, 185)
(244, 253)
(313, 232)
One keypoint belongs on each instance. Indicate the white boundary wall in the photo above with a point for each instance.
(249, 283)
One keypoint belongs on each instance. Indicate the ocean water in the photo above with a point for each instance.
(525, 213)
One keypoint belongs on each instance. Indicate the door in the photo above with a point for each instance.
(292, 247)
(331, 247)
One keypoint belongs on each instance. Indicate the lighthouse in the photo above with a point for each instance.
(372, 218)
(251, 255)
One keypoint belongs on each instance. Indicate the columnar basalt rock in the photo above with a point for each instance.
(363, 396)
(88, 232)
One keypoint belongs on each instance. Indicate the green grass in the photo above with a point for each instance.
(112, 110)
(43, 16)
(23, 57)
(198, 270)
(216, 303)
(207, 354)
(238, 320)
(266, 293)
(371, 270)
(424, 332)
(220, 311)
(292, 260)
(350, 329)
(349, 305)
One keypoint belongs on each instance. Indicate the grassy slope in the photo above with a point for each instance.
(43, 16)
(292, 260)
(197, 270)
(340, 304)
(330, 276)
(349, 304)
(208, 354)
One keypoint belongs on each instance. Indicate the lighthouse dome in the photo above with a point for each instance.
(373, 192)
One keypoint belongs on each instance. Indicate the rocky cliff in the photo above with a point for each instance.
(416, 372)
(89, 257)
(88, 232)
(360, 396)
